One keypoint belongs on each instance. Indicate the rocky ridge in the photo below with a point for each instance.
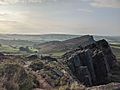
(88, 67)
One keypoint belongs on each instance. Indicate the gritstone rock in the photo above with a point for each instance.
(91, 65)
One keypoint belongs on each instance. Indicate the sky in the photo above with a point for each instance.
(96, 17)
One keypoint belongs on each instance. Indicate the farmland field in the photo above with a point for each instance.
(116, 50)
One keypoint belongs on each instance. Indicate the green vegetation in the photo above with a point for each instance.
(115, 45)
(9, 49)
(28, 49)
(17, 50)
(116, 50)
(58, 54)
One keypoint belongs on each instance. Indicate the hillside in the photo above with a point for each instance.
(92, 67)
(58, 46)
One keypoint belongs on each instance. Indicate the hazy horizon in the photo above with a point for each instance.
(76, 17)
(37, 34)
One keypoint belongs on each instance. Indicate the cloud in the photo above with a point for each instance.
(94, 3)
(7, 2)
(8, 26)
(84, 10)
(106, 3)
(12, 16)
(2, 14)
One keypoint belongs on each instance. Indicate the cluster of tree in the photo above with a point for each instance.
(27, 49)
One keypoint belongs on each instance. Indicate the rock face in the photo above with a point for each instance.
(91, 65)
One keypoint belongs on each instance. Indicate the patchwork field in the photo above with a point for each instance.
(116, 50)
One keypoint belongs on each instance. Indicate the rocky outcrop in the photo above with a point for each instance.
(32, 57)
(104, 47)
(92, 64)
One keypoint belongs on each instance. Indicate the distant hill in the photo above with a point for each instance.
(20, 39)
(57, 46)
(37, 38)
(17, 42)
(110, 39)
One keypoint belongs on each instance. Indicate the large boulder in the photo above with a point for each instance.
(92, 63)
